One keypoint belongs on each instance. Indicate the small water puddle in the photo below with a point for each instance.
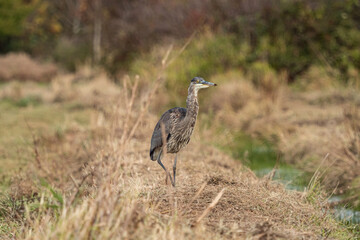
(343, 213)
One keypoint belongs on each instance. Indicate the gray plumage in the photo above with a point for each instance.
(178, 124)
(175, 141)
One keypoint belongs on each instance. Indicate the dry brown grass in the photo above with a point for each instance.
(83, 87)
(321, 129)
(98, 182)
(305, 126)
(19, 66)
(232, 95)
(111, 189)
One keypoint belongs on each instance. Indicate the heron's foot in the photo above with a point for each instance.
(174, 170)
(168, 175)
(172, 181)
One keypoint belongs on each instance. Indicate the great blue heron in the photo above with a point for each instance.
(178, 124)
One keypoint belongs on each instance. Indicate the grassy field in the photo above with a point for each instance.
(276, 149)
(75, 166)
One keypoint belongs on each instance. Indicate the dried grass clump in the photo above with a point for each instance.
(319, 131)
(265, 78)
(319, 78)
(232, 95)
(19, 66)
(244, 103)
(345, 155)
(83, 89)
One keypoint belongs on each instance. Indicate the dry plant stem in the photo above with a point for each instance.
(211, 206)
(129, 104)
(74, 181)
(78, 187)
(181, 50)
(144, 108)
(36, 151)
(317, 173)
(201, 189)
(164, 152)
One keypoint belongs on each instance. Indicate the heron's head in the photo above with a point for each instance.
(198, 83)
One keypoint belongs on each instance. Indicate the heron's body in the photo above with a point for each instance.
(178, 125)
(175, 141)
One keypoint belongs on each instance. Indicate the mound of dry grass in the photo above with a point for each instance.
(19, 66)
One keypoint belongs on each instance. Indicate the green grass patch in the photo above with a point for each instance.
(23, 102)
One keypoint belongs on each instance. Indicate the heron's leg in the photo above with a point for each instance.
(166, 171)
(174, 168)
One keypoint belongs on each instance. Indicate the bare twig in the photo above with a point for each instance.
(164, 150)
(164, 60)
(211, 206)
(182, 49)
(77, 186)
(199, 192)
(129, 106)
(201, 189)
(74, 181)
(36, 151)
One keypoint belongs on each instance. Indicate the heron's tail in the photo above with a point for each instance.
(154, 153)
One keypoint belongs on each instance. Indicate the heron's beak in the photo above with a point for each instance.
(208, 83)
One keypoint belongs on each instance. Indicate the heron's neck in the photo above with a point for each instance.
(192, 105)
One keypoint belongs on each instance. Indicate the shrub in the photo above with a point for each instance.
(232, 93)
(20, 66)
(13, 14)
(264, 77)
(70, 54)
(296, 34)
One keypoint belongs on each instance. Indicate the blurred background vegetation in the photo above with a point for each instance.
(288, 36)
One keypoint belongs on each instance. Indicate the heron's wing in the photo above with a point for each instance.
(166, 119)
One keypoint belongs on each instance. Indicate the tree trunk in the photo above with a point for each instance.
(76, 21)
(97, 32)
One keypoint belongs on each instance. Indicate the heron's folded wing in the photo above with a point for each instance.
(156, 139)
